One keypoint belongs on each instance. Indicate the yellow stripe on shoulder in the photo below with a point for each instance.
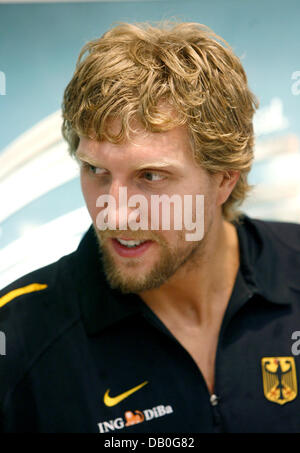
(19, 291)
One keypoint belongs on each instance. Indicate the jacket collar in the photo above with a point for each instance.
(270, 264)
(265, 269)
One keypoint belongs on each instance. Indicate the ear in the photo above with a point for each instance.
(226, 183)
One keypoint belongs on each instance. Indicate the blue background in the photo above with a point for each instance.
(39, 45)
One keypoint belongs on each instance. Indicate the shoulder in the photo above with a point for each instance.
(33, 310)
(41, 284)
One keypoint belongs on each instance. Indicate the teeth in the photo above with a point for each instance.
(130, 243)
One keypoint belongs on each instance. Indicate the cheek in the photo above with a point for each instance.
(172, 238)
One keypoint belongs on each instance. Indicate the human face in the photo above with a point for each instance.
(148, 164)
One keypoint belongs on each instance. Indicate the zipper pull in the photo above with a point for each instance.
(214, 400)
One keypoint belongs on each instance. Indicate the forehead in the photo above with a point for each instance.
(144, 145)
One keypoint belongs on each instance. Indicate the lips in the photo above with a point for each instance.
(131, 251)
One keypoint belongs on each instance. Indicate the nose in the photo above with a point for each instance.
(115, 211)
(119, 208)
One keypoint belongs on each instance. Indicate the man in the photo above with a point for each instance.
(144, 329)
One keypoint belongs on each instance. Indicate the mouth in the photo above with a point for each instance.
(130, 248)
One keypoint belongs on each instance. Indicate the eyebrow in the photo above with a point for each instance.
(85, 158)
(158, 165)
(164, 164)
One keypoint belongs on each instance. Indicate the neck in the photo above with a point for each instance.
(198, 292)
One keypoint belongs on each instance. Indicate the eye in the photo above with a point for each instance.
(92, 169)
(153, 176)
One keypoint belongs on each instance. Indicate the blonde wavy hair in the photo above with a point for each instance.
(133, 68)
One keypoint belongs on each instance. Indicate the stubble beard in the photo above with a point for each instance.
(170, 261)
